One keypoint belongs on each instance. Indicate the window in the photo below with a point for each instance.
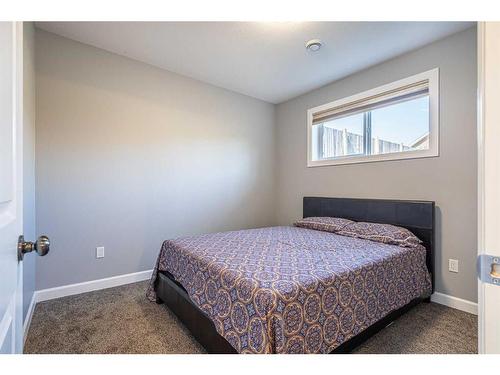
(394, 121)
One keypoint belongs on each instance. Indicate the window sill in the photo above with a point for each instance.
(373, 158)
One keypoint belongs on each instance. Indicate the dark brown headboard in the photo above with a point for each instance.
(416, 216)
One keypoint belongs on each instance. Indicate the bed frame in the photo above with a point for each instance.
(416, 216)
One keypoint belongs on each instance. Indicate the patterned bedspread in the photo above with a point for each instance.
(290, 289)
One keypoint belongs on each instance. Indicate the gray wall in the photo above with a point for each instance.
(28, 160)
(129, 155)
(449, 179)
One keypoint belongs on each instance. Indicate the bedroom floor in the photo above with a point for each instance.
(122, 320)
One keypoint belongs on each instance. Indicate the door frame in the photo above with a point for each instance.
(480, 175)
(488, 181)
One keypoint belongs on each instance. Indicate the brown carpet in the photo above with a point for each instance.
(122, 320)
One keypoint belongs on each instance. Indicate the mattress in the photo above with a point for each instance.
(290, 289)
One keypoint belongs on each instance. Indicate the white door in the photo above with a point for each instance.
(489, 186)
(11, 186)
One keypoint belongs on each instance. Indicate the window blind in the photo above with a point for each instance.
(401, 94)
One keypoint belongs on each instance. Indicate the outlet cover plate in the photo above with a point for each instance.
(453, 265)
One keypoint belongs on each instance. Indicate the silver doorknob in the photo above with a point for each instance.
(41, 246)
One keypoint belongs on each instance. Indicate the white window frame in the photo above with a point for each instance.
(431, 75)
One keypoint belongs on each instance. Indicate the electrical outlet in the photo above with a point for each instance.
(453, 265)
(99, 252)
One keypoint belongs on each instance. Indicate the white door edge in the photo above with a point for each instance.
(19, 144)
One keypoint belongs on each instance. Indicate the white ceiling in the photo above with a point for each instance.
(266, 60)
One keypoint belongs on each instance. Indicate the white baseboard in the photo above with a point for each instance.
(454, 302)
(90, 286)
(29, 315)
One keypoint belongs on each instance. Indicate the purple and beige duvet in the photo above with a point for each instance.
(291, 289)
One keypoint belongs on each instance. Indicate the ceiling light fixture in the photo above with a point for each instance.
(313, 45)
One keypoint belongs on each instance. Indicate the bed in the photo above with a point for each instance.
(296, 290)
